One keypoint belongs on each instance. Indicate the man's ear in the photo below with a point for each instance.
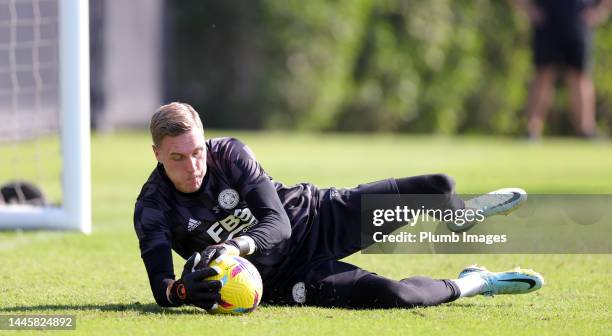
(156, 152)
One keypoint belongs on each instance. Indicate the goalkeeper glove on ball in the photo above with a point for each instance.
(192, 288)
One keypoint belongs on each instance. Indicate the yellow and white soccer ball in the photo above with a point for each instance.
(242, 287)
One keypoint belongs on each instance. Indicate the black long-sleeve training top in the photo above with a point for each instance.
(237, 197)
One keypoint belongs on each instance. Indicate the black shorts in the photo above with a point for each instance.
(335, 234)
(313, 274)
(566, 45)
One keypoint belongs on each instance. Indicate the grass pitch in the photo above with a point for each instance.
(102, 280)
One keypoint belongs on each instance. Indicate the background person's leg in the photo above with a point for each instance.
(540, 98)
(582, 97)
(547, 53)
(576, 50)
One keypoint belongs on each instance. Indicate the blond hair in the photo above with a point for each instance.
(173, 119)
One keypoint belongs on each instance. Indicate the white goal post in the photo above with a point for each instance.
(75, 210)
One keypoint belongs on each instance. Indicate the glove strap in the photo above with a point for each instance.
(178, 293)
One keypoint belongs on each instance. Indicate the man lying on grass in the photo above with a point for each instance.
(210, 197)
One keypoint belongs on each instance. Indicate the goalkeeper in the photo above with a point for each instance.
(209, 197)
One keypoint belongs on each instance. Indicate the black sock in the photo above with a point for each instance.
(440, 184)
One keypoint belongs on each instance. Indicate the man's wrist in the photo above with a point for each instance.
(169, 283)
(244, 244)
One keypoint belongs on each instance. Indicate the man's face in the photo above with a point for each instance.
(184, 159)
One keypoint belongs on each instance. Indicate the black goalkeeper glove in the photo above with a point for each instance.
(192, 288)
(238, 246)
(213, 252)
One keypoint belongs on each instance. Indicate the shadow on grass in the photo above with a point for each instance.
(478, 305)
(151, 308)
(147, 308)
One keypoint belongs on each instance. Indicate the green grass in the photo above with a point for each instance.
(101, 279)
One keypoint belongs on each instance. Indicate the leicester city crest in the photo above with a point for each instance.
(299, 292)
(228, 199)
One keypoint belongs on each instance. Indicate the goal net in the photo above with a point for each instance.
(44, 112)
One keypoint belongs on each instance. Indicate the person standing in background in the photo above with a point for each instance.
(562, 33)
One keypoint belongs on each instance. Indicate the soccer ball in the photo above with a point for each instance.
(242, 286)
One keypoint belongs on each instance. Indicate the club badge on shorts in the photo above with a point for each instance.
(299, 292)
(228, 199)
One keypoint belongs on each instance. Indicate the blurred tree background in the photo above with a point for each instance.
(444, 66)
